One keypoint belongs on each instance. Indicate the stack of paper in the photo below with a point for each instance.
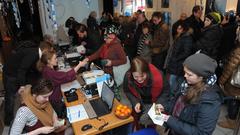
(76, 113)
(67, 86)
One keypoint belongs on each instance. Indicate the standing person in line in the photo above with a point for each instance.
(196, 107)
(182, 18)
(181, 48)
(160, 41)
(143, 46)
(194, 21)
(210, 38)
(230, 90)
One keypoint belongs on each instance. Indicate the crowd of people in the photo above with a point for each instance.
(181, 77)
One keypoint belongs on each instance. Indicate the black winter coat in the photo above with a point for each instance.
(209, 42)
(181, 49)
(196, 25)
(199, 118)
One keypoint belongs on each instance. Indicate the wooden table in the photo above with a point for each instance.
(112, 120)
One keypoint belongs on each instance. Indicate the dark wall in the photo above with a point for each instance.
(238, 7)
(108, 6)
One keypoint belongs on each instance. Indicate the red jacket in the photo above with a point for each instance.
(156, 89)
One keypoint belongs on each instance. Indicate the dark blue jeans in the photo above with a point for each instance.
(10, 87)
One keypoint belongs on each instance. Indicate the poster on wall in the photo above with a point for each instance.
(165, 4)
(167, 18)
(149, 3)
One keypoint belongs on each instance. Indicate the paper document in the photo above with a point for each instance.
(157, 119)
(76, 113)
(67, 86)
(72, 55)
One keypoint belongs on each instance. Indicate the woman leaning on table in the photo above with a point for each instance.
(196, 106)
(111, 53)
(36, 115)
(142, 84)
(47, 65)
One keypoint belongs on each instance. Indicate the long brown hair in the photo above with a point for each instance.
(46, 56)
(194, 91)
(139, 65)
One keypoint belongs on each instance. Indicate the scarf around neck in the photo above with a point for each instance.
(44, 112)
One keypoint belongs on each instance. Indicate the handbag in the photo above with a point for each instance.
(235, 80)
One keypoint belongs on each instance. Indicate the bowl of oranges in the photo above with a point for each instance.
(122, 111)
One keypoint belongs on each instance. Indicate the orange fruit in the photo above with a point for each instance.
(128, 110)
(122, 114)
(118, 108)
(118, 113)
(125, 107)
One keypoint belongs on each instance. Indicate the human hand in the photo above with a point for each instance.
(221, 86)
(21, 89)
(82, 63)
(159, 108)
(46, 130)
(109, 63)
(147, 42)
(86, 60)
(137, 108)
(83, 43)
(58, 123)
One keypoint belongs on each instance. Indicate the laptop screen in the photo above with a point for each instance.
(107, 95)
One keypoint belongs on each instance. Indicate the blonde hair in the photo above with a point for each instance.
(47, 55)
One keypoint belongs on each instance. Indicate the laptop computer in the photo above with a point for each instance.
(100, 106)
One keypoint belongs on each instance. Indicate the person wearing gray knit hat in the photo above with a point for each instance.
(201, 64)
(198, 102)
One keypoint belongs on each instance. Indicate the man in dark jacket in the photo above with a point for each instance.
(210, 38)
(229, 26)
(160, 41)
(183, 17)
(15, 73)
(195, 22)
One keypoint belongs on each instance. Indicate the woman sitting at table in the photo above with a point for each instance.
(36, 115)
(143, 84)
(46, 65)
(111, 53)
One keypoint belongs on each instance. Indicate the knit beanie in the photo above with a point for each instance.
(111, 29)
(214, 17)
(201, 64)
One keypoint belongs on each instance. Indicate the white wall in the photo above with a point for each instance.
(66, 8)
(75, 8)
(176, 7)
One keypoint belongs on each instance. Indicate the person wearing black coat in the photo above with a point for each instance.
(182, 48)
(229, 27)
(15, 73)
(195, 108)
(183, 17)
(195, 22)
(209, 41)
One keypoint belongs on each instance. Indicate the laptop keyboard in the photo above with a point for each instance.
(88, 107)
(100, 107)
